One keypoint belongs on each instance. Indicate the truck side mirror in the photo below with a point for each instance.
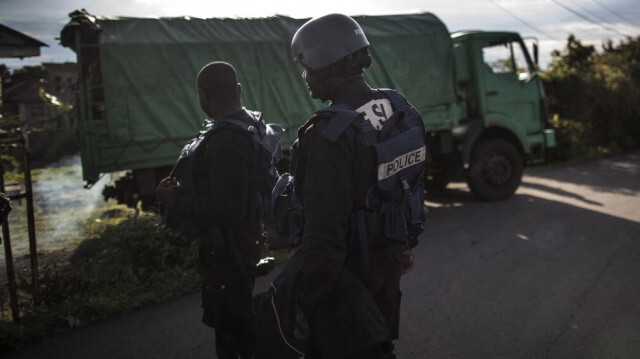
(535, 53)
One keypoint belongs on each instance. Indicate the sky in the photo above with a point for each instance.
(593, 22)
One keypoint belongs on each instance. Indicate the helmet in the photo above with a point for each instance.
(324, 40)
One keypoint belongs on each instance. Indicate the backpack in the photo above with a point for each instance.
(266, 146)
(390, 176)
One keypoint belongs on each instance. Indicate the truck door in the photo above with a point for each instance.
(512, 93)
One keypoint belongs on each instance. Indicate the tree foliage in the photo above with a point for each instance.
(36, 72)
(127, 262)
(595, 97)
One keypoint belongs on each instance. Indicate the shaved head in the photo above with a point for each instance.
(218, 76)
(218, 89)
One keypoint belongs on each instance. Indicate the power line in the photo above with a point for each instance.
(600, 17)
(521, 20)
(587, 18)
(615, 13)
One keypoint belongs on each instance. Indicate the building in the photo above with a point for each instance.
(35, 101)
(61, 80)
(23, 100)
(16, 44)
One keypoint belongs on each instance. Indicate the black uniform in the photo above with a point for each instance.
(326, 186)
(230, 227)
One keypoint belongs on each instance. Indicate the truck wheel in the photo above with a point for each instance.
(495, 170)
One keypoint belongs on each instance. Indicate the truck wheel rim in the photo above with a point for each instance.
(497, 170)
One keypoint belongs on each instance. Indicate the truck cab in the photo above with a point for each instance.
(506, 111)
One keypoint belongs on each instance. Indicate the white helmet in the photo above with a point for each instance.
(324, 40)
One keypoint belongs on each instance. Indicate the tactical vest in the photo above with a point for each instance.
(389, 175)
(267, 152)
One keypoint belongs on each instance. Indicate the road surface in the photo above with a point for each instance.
(552, 273)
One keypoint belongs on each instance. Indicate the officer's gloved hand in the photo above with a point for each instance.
(167, 191)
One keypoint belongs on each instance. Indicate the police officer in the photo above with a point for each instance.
(222, 209)
(333, 51)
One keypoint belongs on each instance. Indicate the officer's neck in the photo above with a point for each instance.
(351, 90)
(228, 111)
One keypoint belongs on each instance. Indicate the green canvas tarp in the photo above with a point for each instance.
(147, 67)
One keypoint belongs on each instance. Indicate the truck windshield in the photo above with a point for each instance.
(505, 57)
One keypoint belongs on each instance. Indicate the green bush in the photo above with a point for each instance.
(48, 146)
(571, 144)
(124, 264)
(594, 99)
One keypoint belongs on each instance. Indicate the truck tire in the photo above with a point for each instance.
(495, 171)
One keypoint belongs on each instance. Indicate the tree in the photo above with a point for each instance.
(595, 97)
(10, 78)
(37, 72)
(5, 75)
(575, 58)
(619, 69)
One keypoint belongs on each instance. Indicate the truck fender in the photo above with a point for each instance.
(472, 133)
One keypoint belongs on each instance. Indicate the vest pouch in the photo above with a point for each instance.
(401, 161)
(395, 224)
(401, 156)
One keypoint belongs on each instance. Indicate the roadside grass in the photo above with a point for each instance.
(96, 259)
(123, 262)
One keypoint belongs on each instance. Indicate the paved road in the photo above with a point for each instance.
(552, 273)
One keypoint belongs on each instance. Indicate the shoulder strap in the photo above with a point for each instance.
(404, 114)
(267, 135)
(241, 124)
(342, 117)
(397, 101)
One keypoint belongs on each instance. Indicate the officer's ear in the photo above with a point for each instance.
(239, 89)
(361, 59)
(366, 61)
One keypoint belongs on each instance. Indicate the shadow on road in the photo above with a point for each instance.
(559, 192)
(551, 273)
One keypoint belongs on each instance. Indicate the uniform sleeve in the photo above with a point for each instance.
(223, 192)
(328, 200)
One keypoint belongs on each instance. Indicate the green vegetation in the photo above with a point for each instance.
(124, 263)
(96, 259)
(594, 99)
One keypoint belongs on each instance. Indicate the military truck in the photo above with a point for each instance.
(483, 105)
